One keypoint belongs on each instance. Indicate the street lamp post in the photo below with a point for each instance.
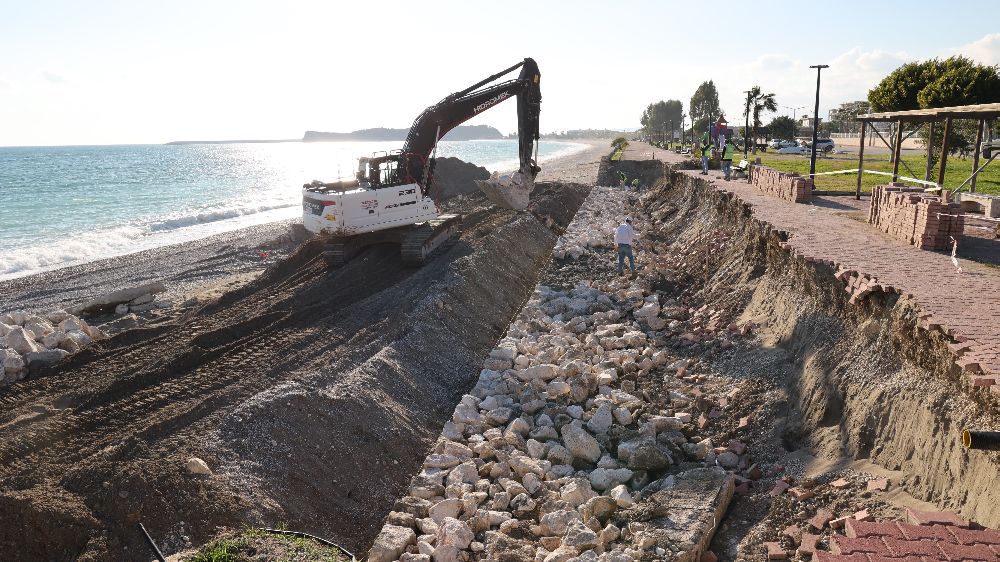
(794, 122)
(812, 158)
(746, 127)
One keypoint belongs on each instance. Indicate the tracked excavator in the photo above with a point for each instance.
(392, 197)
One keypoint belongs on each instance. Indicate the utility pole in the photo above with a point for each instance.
(746, 127)
(812, 158)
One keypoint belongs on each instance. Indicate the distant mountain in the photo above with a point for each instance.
(258, 141)
(460, 133)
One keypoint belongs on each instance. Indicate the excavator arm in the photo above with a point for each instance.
(456, 108)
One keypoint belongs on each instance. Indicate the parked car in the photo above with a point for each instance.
(822, 145)
(793, 150)
(782, 143)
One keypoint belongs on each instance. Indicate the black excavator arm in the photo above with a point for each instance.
(456, 108)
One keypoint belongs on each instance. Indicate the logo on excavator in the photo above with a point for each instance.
(491, 102)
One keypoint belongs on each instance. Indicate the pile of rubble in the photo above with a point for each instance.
(557, 454)
(26, 338)
(605, 209)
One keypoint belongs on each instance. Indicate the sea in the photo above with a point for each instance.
(67, 205)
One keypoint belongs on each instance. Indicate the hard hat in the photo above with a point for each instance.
(628, 219)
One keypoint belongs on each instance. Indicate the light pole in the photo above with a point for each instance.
(746, 127)
(812, 159)
(794, 122)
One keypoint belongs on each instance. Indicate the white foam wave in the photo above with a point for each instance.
(200, 217)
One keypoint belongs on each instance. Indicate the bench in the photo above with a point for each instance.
(741, 169)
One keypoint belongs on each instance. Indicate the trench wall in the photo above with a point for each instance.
(866, 376)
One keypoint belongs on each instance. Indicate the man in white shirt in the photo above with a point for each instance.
(625, 236)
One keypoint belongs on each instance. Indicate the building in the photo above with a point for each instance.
(843, 119)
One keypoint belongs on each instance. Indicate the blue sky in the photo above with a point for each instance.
(103, 72)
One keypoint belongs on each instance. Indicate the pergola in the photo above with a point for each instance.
(915, 119)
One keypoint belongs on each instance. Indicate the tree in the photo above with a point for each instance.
(660, 116)
(939, 83)
(757, 103)
(704, 107)
(782, 127)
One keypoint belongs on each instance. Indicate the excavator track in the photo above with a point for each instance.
(423, 239)
(337, 251)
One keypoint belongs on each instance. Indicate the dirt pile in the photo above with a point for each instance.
(311, 395)
(453, 177)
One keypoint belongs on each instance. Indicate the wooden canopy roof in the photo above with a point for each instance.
(980, 111)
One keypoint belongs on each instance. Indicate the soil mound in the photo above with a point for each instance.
(454, 177)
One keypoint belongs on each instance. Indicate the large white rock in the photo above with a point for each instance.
(555, 523)
(454, 532)
(622, 497)
(450, 507)
(391, 543)
(21, 341)
(580, 443)
(576, 492)
(5, 328)
(11, 360)
(606, 478)
(124, 295)
(545, 372)
(38, 326)
(194, 465)
(46, 356)
(463, 473)
(602, 419)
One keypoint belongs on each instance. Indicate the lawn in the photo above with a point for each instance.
(958, 170)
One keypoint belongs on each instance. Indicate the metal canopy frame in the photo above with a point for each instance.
(980, 112)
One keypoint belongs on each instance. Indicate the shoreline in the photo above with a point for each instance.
(206, 267)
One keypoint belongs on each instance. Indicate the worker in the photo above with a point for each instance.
(706, 152)
(727, 159)
(625, 237)
(623, 179)
(636, 185)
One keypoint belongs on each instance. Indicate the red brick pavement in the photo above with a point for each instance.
(964, 305)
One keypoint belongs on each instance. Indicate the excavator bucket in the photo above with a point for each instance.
(511, 191)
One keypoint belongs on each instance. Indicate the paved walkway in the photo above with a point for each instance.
(967, 304)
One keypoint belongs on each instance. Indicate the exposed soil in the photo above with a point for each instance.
(831, 389)
(311, 394)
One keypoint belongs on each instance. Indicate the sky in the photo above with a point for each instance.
(108, 72)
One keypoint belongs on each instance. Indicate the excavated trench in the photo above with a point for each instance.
(849, 382)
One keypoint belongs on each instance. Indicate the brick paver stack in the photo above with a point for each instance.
(908, 214)
(962, 304)
(923, 537)
(790, 187)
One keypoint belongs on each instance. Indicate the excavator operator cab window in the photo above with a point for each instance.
(388, 172)
(364, 171)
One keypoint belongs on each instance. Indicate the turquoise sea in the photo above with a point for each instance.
(63, 206)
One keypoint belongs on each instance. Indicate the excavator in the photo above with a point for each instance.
(392, 197)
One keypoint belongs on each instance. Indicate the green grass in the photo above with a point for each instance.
(257, 545)
(957, 171)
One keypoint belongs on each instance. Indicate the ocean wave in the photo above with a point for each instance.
(192, 218)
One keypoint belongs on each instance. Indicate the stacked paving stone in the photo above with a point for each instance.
(924, 221)
(552, 457)
(26, 338)
(923, 537)
(787, 186)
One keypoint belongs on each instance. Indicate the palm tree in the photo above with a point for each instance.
(757, 103)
